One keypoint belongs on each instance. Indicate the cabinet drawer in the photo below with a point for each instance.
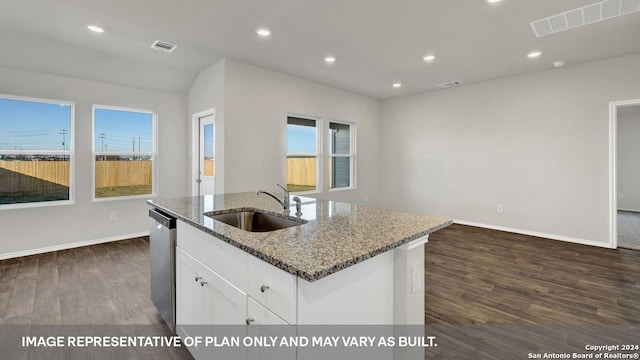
(226, 260)
(273, 288)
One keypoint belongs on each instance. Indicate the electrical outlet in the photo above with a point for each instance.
(366, 197)
(113, 216)
(500, 209)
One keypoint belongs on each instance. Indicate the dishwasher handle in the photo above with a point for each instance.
(167, 221)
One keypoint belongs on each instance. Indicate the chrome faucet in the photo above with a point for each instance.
(298, 206)
(285, 197)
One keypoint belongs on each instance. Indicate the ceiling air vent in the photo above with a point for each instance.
(449, 84)
(163, 46)
(600, 11)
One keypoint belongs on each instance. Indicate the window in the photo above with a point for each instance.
(124, 152)
(302, 154)
(36, 152)
(341, 155)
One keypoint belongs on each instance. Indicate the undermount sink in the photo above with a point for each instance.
(255, 220)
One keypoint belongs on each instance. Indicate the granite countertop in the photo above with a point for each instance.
(336, 236)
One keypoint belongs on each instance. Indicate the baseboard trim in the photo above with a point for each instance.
(71, 245)
(537, 234)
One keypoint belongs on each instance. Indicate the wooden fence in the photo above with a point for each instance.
(122, 173)
(301, 171)
(52, 171)
(209, 169)
(108, 173)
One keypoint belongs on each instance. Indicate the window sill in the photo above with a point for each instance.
(36, 204)
(305, 193)
(116, 198)
(342, 189)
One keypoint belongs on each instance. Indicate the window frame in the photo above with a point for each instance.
(70, 153)
(153, 154)
(318, 154)
(351, 155)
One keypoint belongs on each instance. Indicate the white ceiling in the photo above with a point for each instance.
(376, 42)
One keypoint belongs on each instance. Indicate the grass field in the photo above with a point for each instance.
(22, 197)
(132, 190)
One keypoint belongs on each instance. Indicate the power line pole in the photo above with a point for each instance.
(102, 137)
(64, 132)
(139, 143)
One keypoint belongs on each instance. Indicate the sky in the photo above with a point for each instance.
(28, 125)
(301, 139)
(123, 131)
(208, 141)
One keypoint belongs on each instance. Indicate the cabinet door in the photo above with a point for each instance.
(193, 303)
(229, 304)
(204, 300)
(273, 288)
(266, 324)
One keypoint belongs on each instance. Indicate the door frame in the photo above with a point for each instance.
(613, 167)
(195, 145)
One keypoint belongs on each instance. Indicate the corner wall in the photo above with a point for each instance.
(208, 92)
(536, 143)
(257, 102)
(30, 229)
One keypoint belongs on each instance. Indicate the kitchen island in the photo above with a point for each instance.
(340, 264)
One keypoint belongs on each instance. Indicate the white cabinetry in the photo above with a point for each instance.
(259, 315)
(217, 283)
(273, 288)
(205, 298)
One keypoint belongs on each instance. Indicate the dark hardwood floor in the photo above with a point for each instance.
(485, 292)
(100, 284)
(64, 291)
(480, 276)
(472, 276)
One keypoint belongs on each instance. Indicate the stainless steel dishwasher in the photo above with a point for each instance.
(162, 239)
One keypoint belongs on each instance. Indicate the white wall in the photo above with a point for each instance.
(537, 143)
(257, 102)
(58, 226)
(629, 157)
(207, 92)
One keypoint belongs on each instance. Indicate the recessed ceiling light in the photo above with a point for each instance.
(263, 32)
(429, 58)
(330, 59)
(534, 54)
(95, 28)
(559, 63)
(397, 85)
(493, 1)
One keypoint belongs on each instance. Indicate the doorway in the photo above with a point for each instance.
(625, 174)
(204, 164)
